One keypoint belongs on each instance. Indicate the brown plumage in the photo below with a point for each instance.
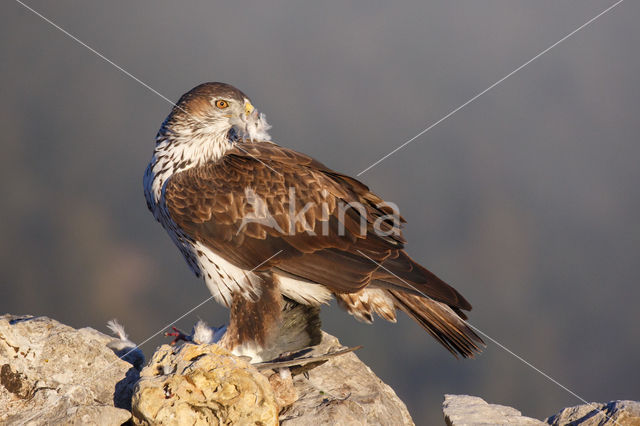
(210, 202)
(220, 204)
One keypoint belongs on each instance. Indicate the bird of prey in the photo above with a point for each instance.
(266, 228)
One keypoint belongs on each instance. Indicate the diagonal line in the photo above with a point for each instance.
(590, 21)
(167, 326)
(189, 311)
(147, 86)
(127, 73)
(518, 357)
(257, 159)
(77, 40)
(124, 71)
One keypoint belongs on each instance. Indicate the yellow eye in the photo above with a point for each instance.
(222, 104)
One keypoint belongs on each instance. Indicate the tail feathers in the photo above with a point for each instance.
(441, 321)
(401, 272)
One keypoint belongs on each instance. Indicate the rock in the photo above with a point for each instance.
(124, 348)
(468, 410)
(617, 413)
(51, 373)
(201, 385)
(343, 391)
(283, 387)
(205, 384)
(471, 410)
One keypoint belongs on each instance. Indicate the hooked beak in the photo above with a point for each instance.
(248, 108)
(252, 125)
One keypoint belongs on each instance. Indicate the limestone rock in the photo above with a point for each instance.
(202, 385)
(468, 410)
(51, 373)
(283, 387)
(622, 413)
(343, 391)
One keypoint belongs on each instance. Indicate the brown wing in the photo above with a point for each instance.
(319, 239)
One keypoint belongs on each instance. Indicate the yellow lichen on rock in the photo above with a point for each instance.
(202, 384)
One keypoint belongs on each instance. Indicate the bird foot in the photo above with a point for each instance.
(178, 335)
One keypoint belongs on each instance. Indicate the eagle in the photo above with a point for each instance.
(272, 230)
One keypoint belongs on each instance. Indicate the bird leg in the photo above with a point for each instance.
(178, 335)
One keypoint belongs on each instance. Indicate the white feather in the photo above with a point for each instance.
(123, 347)
(117, 329)
(224, 278)
(303, 292)
(203, 334)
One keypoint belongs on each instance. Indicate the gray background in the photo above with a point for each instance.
(526, 201)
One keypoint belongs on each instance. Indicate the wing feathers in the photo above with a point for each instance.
(245, 211)
(326, 228)
(321, 221)
(404, 272)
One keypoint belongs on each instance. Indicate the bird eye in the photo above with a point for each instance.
(222, 104)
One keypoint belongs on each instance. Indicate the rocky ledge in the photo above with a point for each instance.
(51, 373)
(468, 410)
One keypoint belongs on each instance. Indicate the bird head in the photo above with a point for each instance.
(206, 122)
(217, 112)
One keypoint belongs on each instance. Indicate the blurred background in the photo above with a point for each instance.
(527, 200)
